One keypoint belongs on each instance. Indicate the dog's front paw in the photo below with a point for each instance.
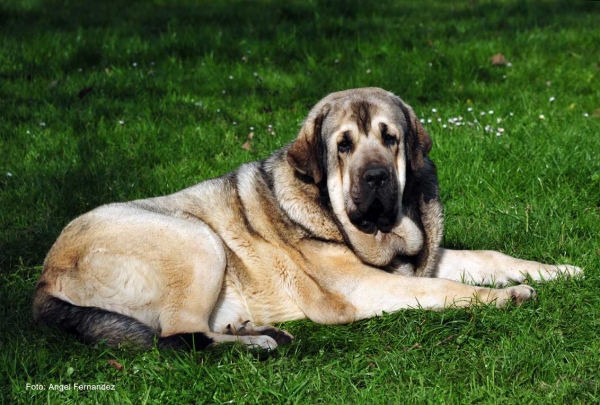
(569, 271)
(517, 295)
(550, 272)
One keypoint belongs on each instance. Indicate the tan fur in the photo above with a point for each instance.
(273, 241)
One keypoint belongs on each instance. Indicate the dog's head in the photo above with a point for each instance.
(362, 143)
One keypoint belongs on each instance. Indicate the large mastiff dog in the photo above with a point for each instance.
(342, 224)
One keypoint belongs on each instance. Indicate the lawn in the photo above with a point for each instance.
(112, 101)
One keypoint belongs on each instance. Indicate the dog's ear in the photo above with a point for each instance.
(418, 141)
(306, 153)
(421, 142)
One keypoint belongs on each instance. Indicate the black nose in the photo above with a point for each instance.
(376, 177)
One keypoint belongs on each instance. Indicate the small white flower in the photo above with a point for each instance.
(482, 113)
(504, 76)
(430, 64)
(586, 115)
(498, 121)
(509, 64)
(475, 120)
(224, 92)
(28, 132)
(491, 112)
(511, 114)
(429, 120)
(234, 122)
(8, 174)
(270, 126)
(433, 110)
(251, 128)
(551, 99)
(422, 121)
(368, 71)
(439, 120)
(42, 124)
(469, 109)
(134, 64)
(255, 74)
(121, 122)
(218, 110)
(500, 130)
(444, 126)
(542, 117)
(498, 134)
(460, 118)
(336, 61)
(230, 77)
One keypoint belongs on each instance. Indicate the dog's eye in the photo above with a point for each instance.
(345, 146)
(389, 140)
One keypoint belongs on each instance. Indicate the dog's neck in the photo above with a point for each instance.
(304, 202)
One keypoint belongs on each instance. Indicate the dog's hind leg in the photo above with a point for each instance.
(121, 274)
(187, 307)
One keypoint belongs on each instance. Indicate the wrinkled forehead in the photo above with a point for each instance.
(363, 112)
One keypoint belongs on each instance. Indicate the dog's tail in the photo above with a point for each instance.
(93, 325)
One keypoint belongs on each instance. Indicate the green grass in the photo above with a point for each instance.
(71, 72)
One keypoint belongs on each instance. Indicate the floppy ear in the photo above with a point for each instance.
(418, 140)
(306, 153)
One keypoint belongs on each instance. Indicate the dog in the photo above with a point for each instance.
(344, 223)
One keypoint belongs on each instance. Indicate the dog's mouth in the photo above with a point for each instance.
(375, 216)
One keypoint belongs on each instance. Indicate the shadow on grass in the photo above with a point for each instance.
(226, 26)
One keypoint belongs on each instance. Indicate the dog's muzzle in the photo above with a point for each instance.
(376, 200)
